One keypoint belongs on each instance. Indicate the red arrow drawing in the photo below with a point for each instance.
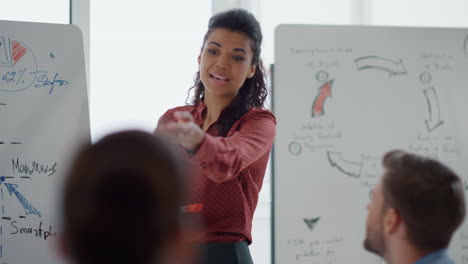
(319, 101)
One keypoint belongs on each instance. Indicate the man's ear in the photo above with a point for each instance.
(392, 221)
(199, 59)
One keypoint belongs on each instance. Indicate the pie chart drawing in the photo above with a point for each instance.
(18, 66)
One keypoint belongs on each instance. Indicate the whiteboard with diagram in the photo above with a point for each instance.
(343, 96)
(44, 115)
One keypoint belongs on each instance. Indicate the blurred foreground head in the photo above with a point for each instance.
(122, 201)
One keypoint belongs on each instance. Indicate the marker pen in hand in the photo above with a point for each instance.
(192, 208)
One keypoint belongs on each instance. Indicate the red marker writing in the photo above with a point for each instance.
(192, 208)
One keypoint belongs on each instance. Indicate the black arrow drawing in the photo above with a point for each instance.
(380, 63)
(349, 168)
(311, 222)
(434, 120)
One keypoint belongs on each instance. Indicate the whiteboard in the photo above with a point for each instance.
(343, 96)
(44, 114)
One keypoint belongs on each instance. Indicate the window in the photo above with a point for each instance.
(427, 13)
(45, 11)
(273, 13)
(143, 60)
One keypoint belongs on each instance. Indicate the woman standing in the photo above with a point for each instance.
(227, 134)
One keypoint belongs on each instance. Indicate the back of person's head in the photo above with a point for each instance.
(122, 200)
(428, 195)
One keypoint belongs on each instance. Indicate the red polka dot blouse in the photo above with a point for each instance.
(228, 172)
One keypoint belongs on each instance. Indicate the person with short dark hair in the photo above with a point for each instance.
(122, 199)
(227, 134)
(415, 209)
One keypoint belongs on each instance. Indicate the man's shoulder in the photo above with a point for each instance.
(436, 257)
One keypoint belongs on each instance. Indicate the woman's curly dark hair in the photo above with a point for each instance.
(253, 92)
